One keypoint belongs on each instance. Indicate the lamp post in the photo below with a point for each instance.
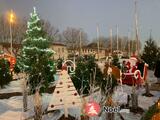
(11, 20)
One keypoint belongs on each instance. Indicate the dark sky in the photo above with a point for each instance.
(86, 14)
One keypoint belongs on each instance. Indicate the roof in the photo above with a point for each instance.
(7, 44)
(95, 48)
(60, 44)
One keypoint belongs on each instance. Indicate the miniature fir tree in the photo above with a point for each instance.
(150, 53)
(115, 61)
(65, 95)
(35, 57)
(84, 70)
(5, 73)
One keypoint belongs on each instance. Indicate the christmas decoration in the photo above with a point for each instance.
(92, 109)
(136, 72)
(156, 117)
(83, 72)
(5, 73)
(35, 57)
(65, 95)
(11, 59)
(69, 66)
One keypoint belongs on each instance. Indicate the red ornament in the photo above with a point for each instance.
(52, 106)
(64, 67)
(75, 94)
(57, 92)
(92, 109)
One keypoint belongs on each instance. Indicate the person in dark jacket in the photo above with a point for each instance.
(157, 71)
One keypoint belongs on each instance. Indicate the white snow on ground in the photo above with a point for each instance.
(14, 86)
(151, 77)
(11, 109)
(11, 115)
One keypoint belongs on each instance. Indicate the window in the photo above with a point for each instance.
(58, 50)
(62, 49)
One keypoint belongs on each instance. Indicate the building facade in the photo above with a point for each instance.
(60, 50)
(88, 51)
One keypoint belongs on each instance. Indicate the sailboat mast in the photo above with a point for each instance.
(98, 42)
(111, 40)
(129, 44)
(136, 28)
(80, 42)
(117, 38)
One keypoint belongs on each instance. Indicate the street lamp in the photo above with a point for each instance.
(11, 21)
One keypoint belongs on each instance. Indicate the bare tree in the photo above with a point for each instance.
(72, 38)
(4, 29)
(51, 31)
(18, 30)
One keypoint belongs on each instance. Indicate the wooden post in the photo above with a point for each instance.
(25, 96)
(25, 92)
(128, 100)
(147, 88)
(109, 116)
(134, 98)
(37, 106)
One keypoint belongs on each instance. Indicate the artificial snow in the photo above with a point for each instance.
(14, 86)
(11, 109)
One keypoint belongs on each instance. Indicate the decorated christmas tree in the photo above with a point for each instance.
(65, 95)
(35, 58)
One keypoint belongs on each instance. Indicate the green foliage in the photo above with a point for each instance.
(5, 73)
(150, 53)
(152, 111)
(16, 68)
(84, 74)
(158, 56)
(116, 62)
(35, 58)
